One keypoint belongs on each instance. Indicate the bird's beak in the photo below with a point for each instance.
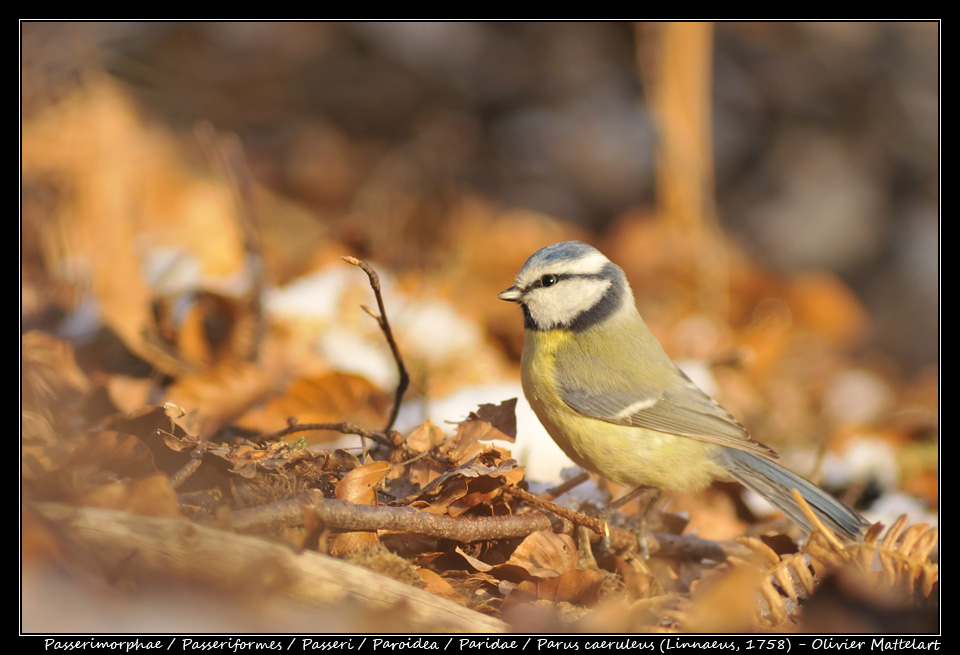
(512, 294)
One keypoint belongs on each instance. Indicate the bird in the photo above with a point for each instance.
(617, 405)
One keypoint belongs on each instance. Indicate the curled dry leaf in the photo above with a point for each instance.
(546, 554)
(473, 562)
(543, 566)
(470, 485)
(501, 422)
(201, 328)
(579, 587)
(425, 437)
(435, 584)
(359, 486)
(542, 554)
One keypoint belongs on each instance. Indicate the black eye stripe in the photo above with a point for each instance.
(551, 279)
(609, 299)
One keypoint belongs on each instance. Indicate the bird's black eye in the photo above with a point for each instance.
(548, 280)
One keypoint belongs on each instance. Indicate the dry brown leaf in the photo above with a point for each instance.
(218, 396)
(473, 562)
(425, 437)
(726, 602)
(545, 554)
(492, 422)
(202, 328)
(438, 498)
(95, 459)
(638, 580)
(469, 438)
(146, 421)
(359, 486)
(329, 397)
(157, 430)
(435, 584)
(470, 485)
(579, 587)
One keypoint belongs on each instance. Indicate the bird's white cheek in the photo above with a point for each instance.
(561, 304)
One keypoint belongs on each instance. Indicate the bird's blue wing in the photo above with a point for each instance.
(622, 393)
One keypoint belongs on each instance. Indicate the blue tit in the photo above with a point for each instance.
(618, 406)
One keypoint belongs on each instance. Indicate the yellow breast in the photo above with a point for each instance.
(626, 454)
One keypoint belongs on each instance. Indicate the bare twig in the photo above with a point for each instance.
(689, 548)
(592, 522)
(567, 485)
(343, 515)
(185, 472)
(389, 438)
(381, 319)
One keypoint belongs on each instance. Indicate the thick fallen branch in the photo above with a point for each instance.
(131, 547)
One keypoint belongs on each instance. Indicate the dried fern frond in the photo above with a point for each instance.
(784, 582)
(902, 559)
(900, 563)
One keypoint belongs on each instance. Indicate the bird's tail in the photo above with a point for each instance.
(776, 483)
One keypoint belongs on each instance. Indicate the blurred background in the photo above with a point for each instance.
(824, 135)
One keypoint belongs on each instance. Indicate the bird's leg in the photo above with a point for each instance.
(648, 499)
(653, 492)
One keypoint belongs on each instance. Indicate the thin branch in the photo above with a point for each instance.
(567, 485)
(389, 438)
(185, 472)
(689, 548)
(387, 333)
(654, 543)
(597, 525)
(343, 515)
